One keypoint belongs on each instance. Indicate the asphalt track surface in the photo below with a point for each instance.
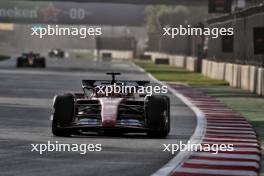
(25, 108)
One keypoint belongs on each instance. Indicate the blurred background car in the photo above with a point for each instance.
(58, 53)
(31, 60)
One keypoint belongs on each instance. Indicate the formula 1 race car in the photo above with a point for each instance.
(58, 53)
(116, 113)
(31, 60)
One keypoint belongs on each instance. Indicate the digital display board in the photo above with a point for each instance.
(72, 13)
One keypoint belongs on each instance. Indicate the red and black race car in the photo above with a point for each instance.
(116, 113)
(31, 60)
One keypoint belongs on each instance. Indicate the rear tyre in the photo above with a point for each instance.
(63, 115)
(158, 116)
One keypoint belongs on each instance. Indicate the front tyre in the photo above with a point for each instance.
(63, 115)
(158, 116)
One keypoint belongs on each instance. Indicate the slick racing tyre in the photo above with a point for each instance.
(158, 116)
(63, 114)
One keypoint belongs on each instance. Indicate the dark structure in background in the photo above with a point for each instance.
(219, 6)
(117, 47)
(177, 45)
(163, 61)
(259, 40)
(246, 45)
(145, 57)
(227, 43)
(116, 43)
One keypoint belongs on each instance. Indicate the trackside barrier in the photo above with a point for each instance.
(246, 77)
(145, 57)
(229, 72)
(205, 68)
(106, 55)
(155, 55)
(260, 82)
(215, 70)
(165, 61)
(253, 75)
(117, 54)
(189, 63)
(236, 80)
(178, 61)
